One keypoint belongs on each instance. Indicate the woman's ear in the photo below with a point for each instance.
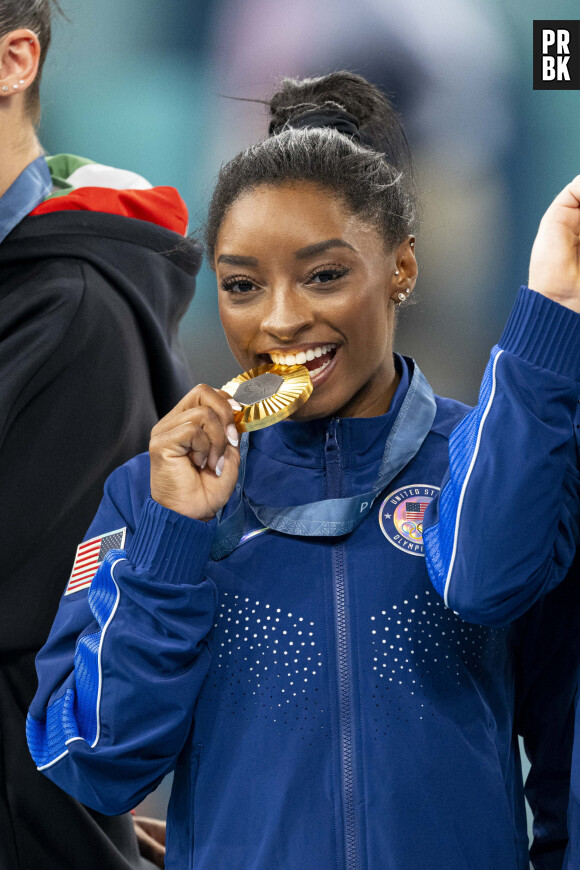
(19, 58)
(405, 272)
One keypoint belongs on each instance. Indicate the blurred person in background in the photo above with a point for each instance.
(94, 277)
(319, 705)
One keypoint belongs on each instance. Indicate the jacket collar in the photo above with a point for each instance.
(31, 188)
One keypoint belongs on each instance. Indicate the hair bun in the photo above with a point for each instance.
(348, 94)
(371, 178)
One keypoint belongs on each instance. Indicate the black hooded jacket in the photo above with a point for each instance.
(89, 309)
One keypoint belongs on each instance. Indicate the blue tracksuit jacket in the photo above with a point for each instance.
(319, 704)
(517, 455)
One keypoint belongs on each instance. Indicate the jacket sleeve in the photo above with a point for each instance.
(503, 530)
(121, 670)
(547, 662)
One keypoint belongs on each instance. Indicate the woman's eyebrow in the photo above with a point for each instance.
(236, 260)
(301, 254)
(319, 247)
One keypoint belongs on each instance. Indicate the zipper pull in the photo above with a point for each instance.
(331, 436)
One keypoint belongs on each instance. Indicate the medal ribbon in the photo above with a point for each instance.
(336, 516)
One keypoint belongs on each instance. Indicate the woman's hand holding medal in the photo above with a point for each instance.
(194, 454)
(555, 259)
(194, 449)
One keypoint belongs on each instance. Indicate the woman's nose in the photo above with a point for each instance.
(286, 315)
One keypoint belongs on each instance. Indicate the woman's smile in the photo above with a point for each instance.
(316, 358)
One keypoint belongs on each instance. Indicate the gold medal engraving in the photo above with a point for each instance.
(268, 393)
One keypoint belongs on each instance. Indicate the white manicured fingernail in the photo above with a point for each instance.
(232, 434)
(220, 466)
(203, 464)
(235, 405)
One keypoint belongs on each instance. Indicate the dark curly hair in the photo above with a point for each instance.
(371, 171)
(33, 15)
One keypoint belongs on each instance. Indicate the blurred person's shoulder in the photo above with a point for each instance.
(123, 242)
(81, 185)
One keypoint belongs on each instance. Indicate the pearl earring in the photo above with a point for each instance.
(396, 271)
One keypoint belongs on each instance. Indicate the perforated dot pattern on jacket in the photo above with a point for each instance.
(423, 654)
(266, 661)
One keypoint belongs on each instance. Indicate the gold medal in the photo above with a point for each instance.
(268, 394)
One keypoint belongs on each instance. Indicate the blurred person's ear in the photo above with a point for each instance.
(19, 57)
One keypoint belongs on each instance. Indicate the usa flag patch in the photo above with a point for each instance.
(89, 556)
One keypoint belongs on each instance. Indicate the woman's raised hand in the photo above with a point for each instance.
(194, 454)
(555, 259)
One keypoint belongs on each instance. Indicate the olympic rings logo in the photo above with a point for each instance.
(413, 530)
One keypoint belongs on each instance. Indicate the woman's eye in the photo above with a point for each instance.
(325, 276)
(237, 285)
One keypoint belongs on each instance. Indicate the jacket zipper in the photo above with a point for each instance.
(334, 466)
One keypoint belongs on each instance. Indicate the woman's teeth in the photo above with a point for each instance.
(316, 371)
(303, 356)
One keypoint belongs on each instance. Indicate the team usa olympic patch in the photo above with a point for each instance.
(401, 516)
(89, 556)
